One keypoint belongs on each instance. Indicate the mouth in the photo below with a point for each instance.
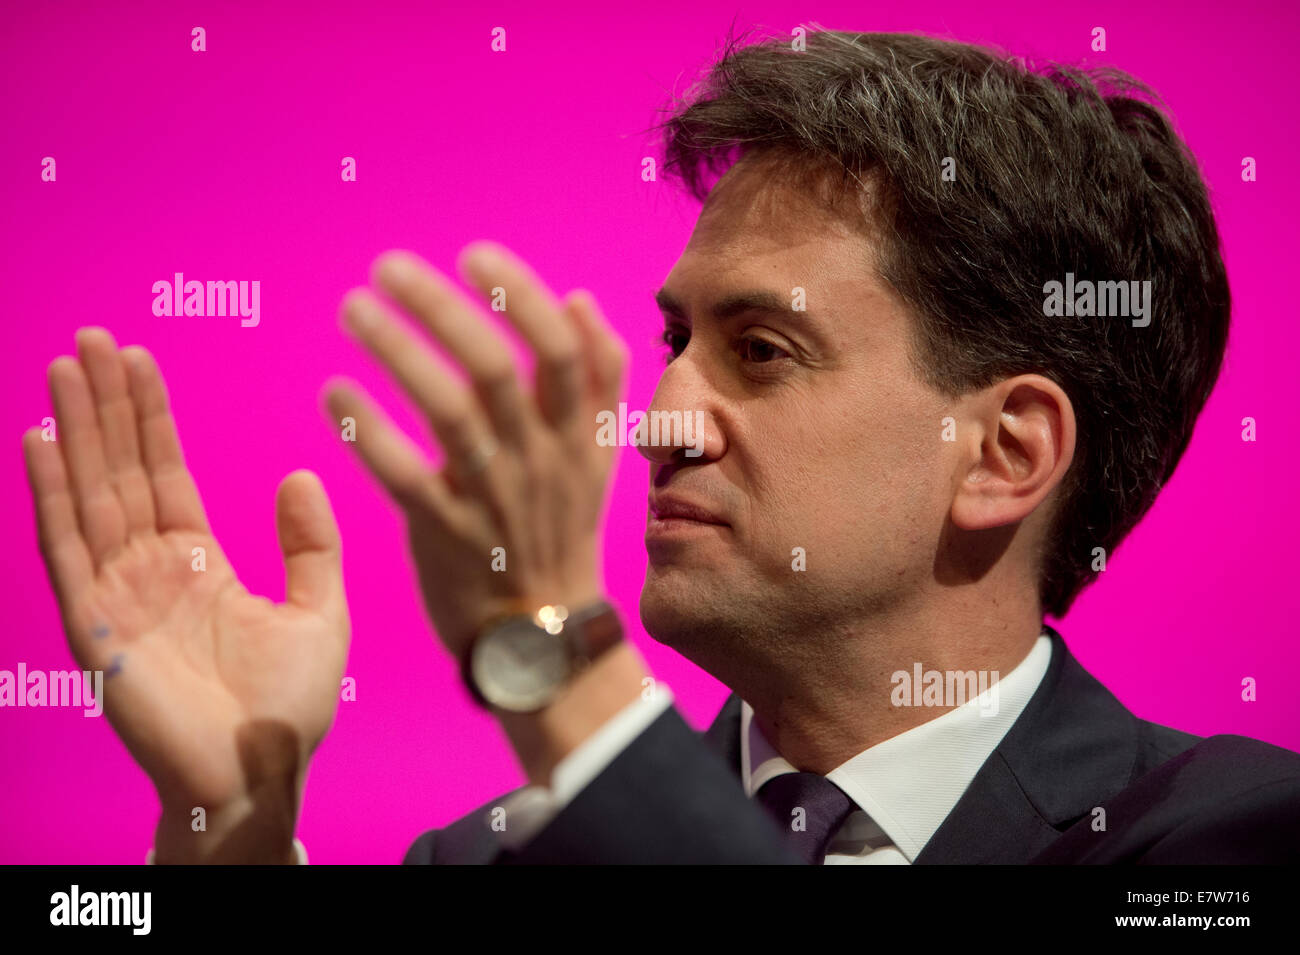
(674, 517)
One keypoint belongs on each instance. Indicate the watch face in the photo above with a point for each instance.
(519, 666)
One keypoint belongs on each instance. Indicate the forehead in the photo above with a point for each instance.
(773, 199)
(769, 223)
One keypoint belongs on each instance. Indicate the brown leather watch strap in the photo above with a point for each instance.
(597, 629)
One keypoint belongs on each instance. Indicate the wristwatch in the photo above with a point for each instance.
(519, 662)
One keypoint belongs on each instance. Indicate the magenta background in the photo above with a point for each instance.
(225, 165)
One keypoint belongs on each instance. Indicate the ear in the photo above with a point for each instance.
(1026, 432)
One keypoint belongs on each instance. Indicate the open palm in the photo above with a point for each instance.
(220, 695)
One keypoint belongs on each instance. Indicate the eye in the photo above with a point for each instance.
(675, 341)
(760, 351)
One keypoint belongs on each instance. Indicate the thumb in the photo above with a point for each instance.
(309, 540)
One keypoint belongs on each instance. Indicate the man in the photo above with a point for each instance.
(910, 449)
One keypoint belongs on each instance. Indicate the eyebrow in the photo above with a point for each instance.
(756, 300)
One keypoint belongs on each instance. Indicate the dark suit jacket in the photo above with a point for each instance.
(674, 796)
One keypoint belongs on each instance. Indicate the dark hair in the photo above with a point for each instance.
(1057, 170)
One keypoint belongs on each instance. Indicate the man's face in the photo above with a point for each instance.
(817, 433)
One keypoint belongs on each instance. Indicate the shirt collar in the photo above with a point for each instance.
(908, 784)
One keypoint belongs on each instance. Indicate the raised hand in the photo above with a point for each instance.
(220, 696)
(524, 472)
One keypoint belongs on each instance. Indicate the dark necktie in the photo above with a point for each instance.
(824, 805)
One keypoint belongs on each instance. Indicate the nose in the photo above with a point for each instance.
(679, 426)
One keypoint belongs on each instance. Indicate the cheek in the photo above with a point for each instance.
(811, 494)
(866, 447)
(873, 486)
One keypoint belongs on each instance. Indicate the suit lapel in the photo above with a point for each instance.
(1072, 748)
(723, 735)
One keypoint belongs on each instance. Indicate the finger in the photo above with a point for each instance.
(452, 411)
(176, 499)
(66, 556)
(106, 372)
(454, 321)
(605, 351)
(385, 450)
(103, 523)
(537, 315)
(309, 540)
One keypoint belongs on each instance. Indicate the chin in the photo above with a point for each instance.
(708, 625)
(672, 602)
